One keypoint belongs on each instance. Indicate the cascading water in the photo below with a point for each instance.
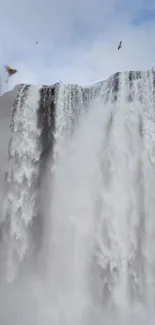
(24, 154)
(96, 262)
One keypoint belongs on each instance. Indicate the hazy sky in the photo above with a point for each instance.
(77, 40)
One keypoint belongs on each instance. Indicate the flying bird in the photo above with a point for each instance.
(120, 45)
(10, 72)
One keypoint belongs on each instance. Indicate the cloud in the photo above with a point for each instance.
(77, 40)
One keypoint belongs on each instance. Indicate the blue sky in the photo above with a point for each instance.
(77, 40)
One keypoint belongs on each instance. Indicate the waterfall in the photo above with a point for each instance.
(77, 228)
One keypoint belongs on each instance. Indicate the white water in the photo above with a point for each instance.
(99, 264)
(19, 205)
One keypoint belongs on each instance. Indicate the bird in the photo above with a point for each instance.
(120, 45)
(10, 71)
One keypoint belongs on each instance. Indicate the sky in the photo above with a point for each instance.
(77, 40)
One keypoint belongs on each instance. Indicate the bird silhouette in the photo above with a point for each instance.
(120, 45)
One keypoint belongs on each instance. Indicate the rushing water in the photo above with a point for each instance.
(77, 225)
